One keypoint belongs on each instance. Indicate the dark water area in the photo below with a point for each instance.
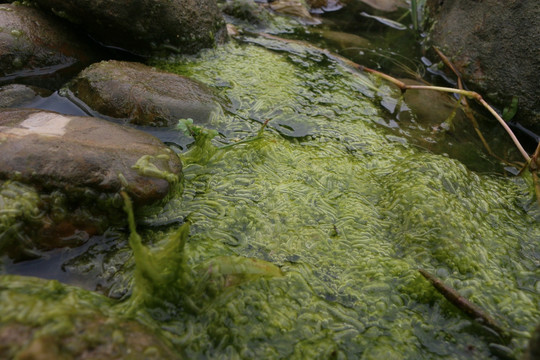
(50, 265)
(55, 102)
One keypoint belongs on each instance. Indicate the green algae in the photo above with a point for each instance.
(49, 320)
(159, 275)
(145, 165)
(17, 202)
(19, 208)
(349, 212)
(305, 242)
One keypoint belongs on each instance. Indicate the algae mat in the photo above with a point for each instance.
(337, 216)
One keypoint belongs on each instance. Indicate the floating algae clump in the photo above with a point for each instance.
(145, 165)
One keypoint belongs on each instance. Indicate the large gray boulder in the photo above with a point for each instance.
(145, 27)
(141, 94)
(33, 43)
(495, 44)
(76, 154)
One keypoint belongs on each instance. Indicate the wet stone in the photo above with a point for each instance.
(142, 94)
(75, 154)
(146, 27)
(33, 43)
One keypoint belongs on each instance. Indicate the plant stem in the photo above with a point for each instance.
(505, 126)
(414, 14)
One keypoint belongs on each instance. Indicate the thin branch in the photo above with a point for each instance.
(449, 64)
(508, 130)
(393, 80)
(467, 109)
(534, 158)
(463, 304)
(469, 94)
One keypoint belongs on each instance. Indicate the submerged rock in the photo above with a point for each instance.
(62, 322)
(494, 44)
(297, 8)
(431, 108)
(145, 27)
(15, 94)
(143, 95)
(32, 43)
(343, 40)
(72, 153)
(386, 5)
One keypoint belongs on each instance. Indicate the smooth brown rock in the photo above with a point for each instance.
(141, 94)
(71, 153)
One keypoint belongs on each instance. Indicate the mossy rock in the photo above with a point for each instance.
(63, 322)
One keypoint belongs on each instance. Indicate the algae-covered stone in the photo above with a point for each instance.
(146, 26)
(19, 209)
(284, 16)
(31, 41)
(42, 319)
(143, 95)
(73, 154)
(344, 40)
(494, 45)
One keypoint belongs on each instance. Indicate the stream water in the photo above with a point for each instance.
(341, 197)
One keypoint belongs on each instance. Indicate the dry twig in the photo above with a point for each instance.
(463, 304)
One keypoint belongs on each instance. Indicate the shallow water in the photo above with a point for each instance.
(348, 209)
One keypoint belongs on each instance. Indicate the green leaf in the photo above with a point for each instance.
(510, 111)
